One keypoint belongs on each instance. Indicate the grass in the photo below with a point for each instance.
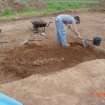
(7, 13)
(52, 7)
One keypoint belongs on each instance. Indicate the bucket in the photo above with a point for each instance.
(97, 41)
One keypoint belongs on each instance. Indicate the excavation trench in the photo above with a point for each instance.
(27, 60)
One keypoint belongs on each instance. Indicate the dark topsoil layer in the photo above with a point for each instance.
(32, 59)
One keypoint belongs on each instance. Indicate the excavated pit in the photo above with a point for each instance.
(27, 60)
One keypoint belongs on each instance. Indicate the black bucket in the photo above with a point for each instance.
(97, 41)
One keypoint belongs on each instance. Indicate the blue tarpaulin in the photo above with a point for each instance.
(6, 100)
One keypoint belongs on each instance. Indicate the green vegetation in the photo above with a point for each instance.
(52, 7)
(7, 12)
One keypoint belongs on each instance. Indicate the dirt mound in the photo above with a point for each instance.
(80, 85)
(32, 59)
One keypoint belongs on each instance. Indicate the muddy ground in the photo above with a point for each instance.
(44, 57)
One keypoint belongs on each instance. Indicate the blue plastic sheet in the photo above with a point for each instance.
(6, 100)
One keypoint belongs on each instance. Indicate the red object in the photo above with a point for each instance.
(18, 5)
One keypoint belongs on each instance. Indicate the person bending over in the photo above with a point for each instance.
(69, 21)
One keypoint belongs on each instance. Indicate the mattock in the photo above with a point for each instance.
(96, 41)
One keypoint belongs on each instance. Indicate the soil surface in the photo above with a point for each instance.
(43, 57)
(19, 59)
